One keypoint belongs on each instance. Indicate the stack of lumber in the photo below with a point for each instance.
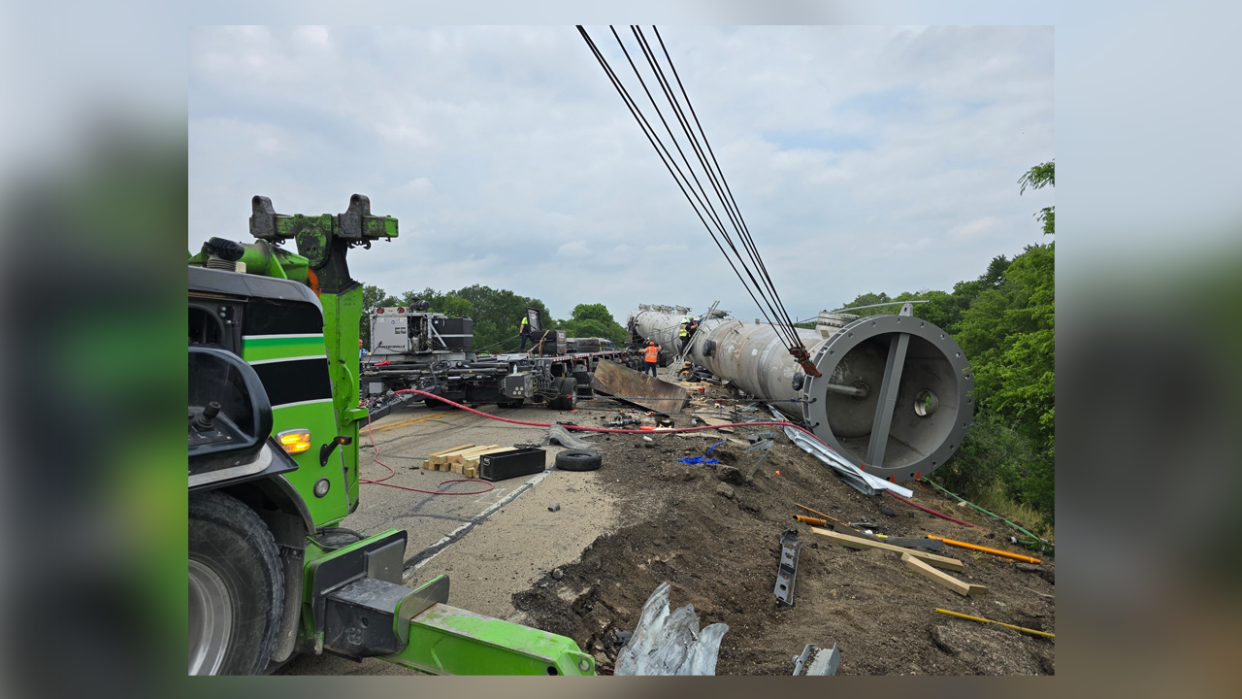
(463, 459)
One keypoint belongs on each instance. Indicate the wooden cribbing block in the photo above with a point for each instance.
(962, 588)
(857, 543)
(469, 472)
(460, 456)
(457, 460)
(441, 458)
(450, 451)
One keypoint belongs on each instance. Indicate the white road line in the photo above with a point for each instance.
(480, 517)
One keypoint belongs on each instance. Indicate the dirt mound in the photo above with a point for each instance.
(712, 532)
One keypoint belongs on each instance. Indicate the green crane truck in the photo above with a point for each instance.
(273, 469)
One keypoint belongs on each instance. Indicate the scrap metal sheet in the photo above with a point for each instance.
(860, 480)
(653, 394)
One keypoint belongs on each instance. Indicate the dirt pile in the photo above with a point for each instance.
(712, 532)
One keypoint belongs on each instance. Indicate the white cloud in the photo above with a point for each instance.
(575, 248)
(863, 158)
(317, 36)
(971, 230)
(418, 187)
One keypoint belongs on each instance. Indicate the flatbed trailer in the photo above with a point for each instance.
(452, 370)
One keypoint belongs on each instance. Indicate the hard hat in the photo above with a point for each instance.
(651, 342)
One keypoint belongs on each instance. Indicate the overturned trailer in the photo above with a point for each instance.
(414, 348)
(894, 395)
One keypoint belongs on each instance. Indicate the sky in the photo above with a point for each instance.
(864, 159)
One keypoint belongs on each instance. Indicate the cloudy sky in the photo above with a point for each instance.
(863, 158)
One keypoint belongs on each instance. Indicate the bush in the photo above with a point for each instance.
(995, 454)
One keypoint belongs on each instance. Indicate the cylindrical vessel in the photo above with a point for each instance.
(893, 395)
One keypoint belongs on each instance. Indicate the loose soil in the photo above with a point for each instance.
(713, 534)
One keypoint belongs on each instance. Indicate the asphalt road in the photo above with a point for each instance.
(491, 544)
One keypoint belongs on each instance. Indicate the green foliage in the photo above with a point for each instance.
(1009, 334)
(593, 320)
(498, 313)
(992, 452)
(1005, 323)
(1038, 177)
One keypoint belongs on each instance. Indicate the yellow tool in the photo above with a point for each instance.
(989, 621)
(821, 514)
(985, 549)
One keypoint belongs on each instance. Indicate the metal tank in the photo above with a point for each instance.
(895, 392)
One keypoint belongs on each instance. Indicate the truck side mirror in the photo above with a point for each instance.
(230, 416)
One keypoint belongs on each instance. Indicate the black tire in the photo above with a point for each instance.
(578, 460)
(565, 387)
(583, 379)
(234, 558)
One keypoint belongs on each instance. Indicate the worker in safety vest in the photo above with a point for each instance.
(524, 331)
(651, 357)
(683, 335)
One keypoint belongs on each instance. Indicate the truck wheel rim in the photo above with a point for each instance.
(211, 619)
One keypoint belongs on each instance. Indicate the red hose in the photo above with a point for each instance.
(392, 472)
(583, 428)
(929, 510)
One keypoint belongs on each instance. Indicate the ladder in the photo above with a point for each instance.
(675, 365)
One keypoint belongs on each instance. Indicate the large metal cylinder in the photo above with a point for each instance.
(893, 395)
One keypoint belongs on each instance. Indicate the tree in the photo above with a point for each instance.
(1038, 177)
(593, 320)
(1010, 336)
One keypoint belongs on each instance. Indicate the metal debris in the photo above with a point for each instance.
(858, 479)
(787, 571)
(822, 662)
(670, 644)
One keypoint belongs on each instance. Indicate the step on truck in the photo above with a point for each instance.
(414, 348)
(274, 419)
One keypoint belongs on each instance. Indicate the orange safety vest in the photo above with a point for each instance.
(653, 354)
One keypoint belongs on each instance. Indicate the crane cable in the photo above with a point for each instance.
(775, 312)
(783, 323)
(735, 211)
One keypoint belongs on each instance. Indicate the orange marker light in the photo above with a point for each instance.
(295, 441)
(778, 473)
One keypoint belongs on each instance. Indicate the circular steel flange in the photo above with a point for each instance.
(927, 415)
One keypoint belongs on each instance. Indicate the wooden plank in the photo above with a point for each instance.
(460, 457)
(857, 543)
(961, 587)
(450, 451)
(442, 458)
(469, 472)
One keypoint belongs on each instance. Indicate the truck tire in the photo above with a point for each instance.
(578, 460)
(565, 394)
(236, 587)
(583, 378)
